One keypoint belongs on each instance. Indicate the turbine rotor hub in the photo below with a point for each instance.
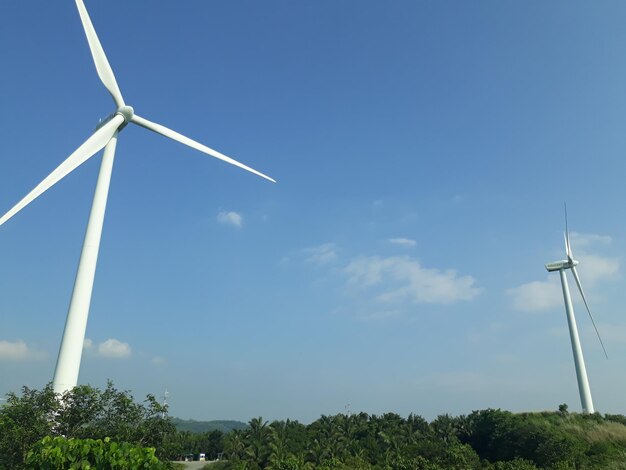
(127, 112)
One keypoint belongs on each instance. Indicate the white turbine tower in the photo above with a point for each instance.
(579, 362)
(105, 136)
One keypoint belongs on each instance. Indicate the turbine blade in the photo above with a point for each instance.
(90, 147)
(568, 247)
(159, 129)
(582, 294)
(99, 58)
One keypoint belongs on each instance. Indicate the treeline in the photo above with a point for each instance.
(105, 428)
(487, 439)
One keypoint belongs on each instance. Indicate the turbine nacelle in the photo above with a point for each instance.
(563, 264)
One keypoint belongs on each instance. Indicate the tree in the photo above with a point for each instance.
(83, 412)
(258, 442)
(24, 420)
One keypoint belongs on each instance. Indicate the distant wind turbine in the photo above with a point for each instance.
(579, 362)
(105, 136)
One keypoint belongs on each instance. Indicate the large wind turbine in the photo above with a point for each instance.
(579, 362)
(105, 136)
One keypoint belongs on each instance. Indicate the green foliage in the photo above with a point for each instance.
(23, 421)
(616, 418)
(107, 427)
(183, 443)
(60, 453)
(516, 464)
(221, 465)
(83, 413)
(488, 439)
(88, 412)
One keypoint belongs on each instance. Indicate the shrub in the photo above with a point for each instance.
(60, 453)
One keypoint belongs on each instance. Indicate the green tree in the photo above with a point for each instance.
(83, 412)
(516, 464)
(257, 448)
(25, 420)
(235, 445)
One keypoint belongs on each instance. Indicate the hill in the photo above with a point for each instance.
(192, 425)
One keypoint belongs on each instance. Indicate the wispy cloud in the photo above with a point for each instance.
(158, 361)
(537, 295)
(545, 295)
(230, 218)
(597, 268)
(321, 255)
(593, 267)
(111, 348)
(405, 242)
(18, 351)
(582, 240)
(400, 278)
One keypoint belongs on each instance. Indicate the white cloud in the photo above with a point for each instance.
(18, 351)
(87, 344)
(401, 279)
(537, 295)
(581, 240)
(321, 255)
(545, 295)
(596, 268)
(113, 348)
(406, 242)
(593, 268)
(230, 218)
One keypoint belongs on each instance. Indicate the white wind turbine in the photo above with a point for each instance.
(105, 136)
(579, 362)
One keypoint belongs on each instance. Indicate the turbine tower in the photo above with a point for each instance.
(579, 361)
(105, 136)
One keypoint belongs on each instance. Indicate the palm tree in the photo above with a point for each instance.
(445, 428)
(278, 442)
(235, 445)
(257, 449)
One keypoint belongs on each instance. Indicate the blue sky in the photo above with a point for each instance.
(423, 151)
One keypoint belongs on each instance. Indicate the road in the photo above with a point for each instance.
(196, 465)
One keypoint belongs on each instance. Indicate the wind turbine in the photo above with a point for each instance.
(105, 136)
(579, 362)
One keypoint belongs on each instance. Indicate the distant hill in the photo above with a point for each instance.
(206, 426)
